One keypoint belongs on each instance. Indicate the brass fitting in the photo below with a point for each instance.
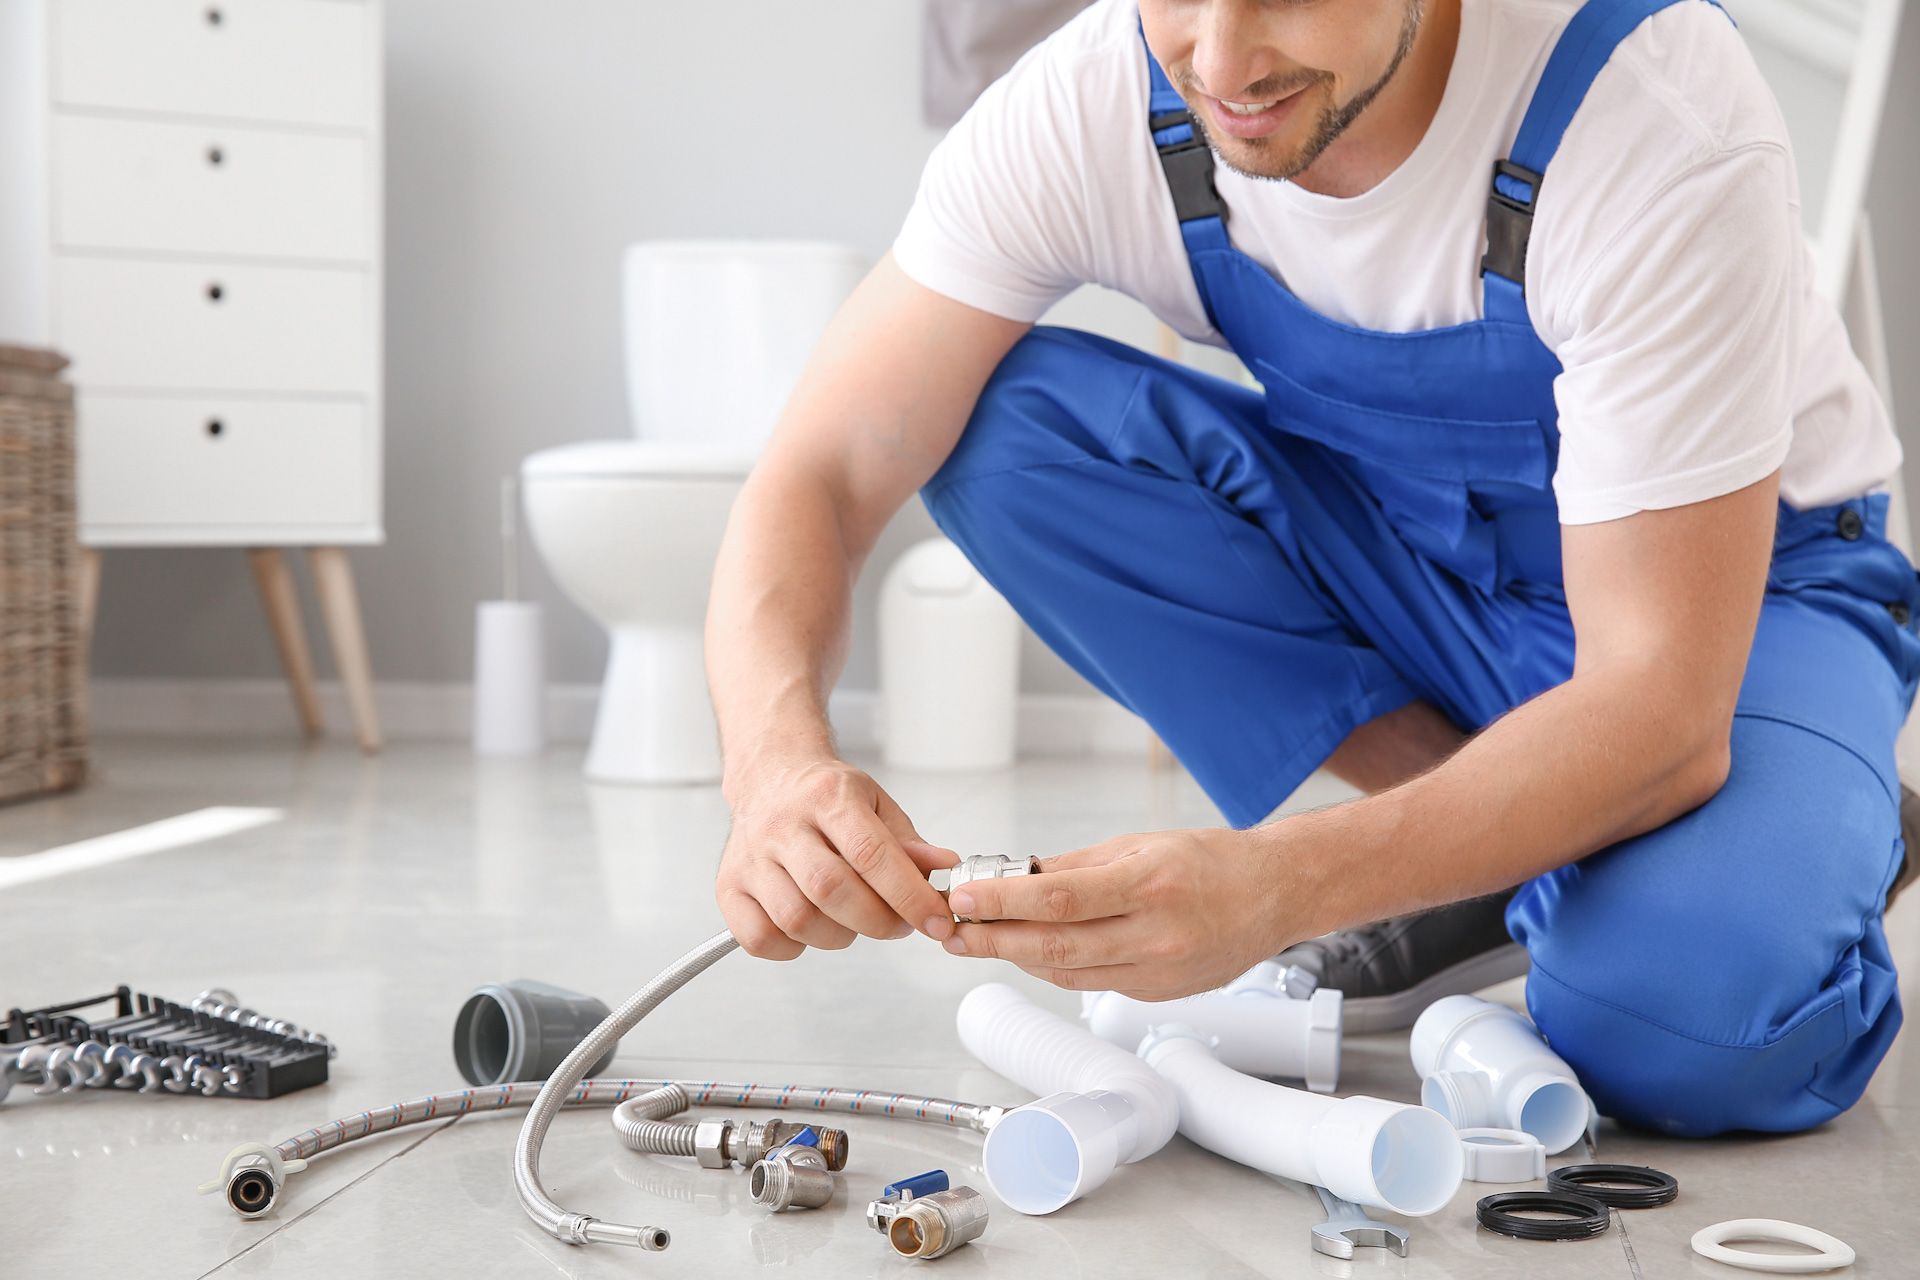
(934, 1226)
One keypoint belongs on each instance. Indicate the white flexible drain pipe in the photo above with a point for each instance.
(1101, 1107)
(1383, 1154)
(1255, 1026)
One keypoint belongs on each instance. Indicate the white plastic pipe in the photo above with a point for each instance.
(1387, 1155)
(1254, 1025)
(1484, 1065)
(1101, 1106)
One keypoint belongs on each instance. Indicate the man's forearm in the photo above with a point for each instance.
(777, 624)
(1608, 755)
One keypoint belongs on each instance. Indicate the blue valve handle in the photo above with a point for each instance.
(920, 1184)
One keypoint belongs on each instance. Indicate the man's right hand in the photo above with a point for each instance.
(818, 853)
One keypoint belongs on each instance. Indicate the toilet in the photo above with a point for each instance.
(716, 333)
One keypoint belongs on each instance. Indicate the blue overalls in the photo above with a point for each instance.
(1258, 574)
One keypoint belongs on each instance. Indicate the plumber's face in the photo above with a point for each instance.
(1272, 83)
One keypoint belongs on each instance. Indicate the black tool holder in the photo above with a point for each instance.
(253, 1056)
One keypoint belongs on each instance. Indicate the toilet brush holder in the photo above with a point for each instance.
(509, 679)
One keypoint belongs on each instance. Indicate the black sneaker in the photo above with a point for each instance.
(1910, 834)
(1392, 970)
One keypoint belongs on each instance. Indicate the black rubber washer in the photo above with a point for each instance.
(1582, 1217)
(1646, 1189)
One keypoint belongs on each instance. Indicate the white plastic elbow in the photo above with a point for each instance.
(1485, 1065)
(1254, 1025)
(1101, 1107)
(1384, 1154)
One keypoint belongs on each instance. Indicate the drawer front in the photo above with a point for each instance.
(292, 61)
(195, 326)
(143, 186)
(219, 462)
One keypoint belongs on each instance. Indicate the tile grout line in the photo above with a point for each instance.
(329, 1198)
(1626, 1246)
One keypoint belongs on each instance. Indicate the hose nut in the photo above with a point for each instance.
(988, 866)
(251, 1188)
(710, 1143)
(793, 1177)
(934, 1226)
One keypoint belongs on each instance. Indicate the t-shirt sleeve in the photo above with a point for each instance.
(999, 221)
(1678, 337)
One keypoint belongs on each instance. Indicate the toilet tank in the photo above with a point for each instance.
(717, 332)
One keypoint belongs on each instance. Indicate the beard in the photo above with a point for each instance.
(1269, 164)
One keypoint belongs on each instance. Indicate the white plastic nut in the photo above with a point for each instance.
(1502, 1155)
(1710, 1242)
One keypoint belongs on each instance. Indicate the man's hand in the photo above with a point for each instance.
(819, 853)
(1153, 916)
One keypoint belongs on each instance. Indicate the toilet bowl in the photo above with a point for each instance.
(716, 334)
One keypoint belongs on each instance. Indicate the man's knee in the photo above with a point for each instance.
(1727, 971)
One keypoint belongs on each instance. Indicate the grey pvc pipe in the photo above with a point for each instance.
(522, 1030)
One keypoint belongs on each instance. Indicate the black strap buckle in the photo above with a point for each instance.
(1510, 223)
(1189, 169)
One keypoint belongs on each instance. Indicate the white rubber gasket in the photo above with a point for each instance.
(1502, 1155)
(1708, 1242)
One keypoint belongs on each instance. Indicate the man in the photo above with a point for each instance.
(1557, 529)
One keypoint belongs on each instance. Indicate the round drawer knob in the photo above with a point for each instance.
(216, 291)
(214, 17)
(216, 157)
(215, 427)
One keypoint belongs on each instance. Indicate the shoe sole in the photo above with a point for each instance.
(1400, 1008)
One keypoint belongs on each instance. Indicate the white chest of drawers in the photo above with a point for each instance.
(194, 218)
(190, 209)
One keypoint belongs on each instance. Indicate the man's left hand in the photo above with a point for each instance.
(1154, 916)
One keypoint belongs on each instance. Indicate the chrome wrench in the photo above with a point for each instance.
(1348, 1225)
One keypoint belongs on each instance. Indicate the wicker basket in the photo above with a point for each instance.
(42, 682)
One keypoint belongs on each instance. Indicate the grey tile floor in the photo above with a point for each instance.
(395, 885)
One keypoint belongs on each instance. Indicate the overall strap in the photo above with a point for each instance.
(1187, 161)
(1584, 48)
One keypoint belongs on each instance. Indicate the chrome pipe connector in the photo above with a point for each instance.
(792, 1177)
(934, 1226)
(988, 866)
(751, 1141)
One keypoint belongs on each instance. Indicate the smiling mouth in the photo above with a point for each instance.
(1252, 120)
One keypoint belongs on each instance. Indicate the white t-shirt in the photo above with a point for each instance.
(1667, 267)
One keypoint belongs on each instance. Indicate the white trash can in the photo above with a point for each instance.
(949, 664)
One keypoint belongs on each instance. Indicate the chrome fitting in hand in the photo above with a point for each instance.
(792, 1177)
(988, 866)
(934, 1226)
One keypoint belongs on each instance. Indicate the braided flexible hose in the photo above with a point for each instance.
(580, 1228)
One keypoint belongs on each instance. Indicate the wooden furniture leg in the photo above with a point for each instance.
(333, 575)
(89, 591)
(274, 577)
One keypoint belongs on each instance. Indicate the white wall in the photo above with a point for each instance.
(528, 142)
